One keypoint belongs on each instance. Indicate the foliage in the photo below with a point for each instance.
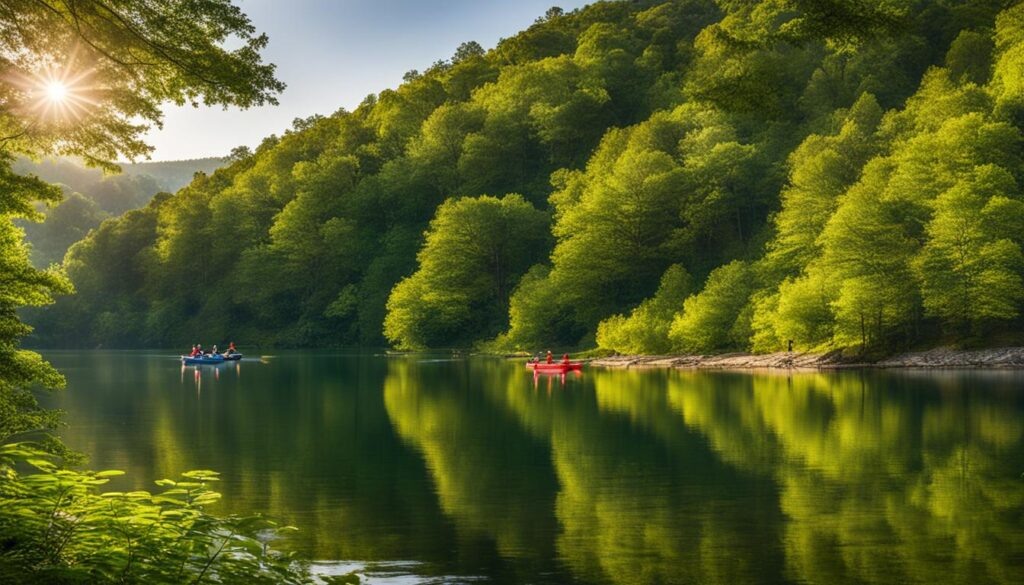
(66, 223)
(821, 143)
(474, 250)
(970, 267)
(59, 528)
(90, 196)
(54, 526)
(104, 45)
(676, 183)
(713, 320)
(98, 45)
(538, 314)
(23, 285)
(645, 329)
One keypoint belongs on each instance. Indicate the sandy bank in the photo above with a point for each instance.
(1003, 357)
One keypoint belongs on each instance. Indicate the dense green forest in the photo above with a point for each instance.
(91, 196)
(648, 176)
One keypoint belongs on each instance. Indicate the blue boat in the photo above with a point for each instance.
(202, 360)
(231, 357)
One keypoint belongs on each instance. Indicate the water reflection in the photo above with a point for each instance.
(539, 375)
(474, 467)
(197, 372)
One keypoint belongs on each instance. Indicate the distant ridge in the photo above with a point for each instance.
(173, 174)
(90, 197)
(169, 175)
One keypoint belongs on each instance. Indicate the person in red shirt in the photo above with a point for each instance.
(549, 358)
(193, 352)
(565, 359)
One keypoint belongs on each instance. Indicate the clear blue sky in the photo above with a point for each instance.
(332, 53)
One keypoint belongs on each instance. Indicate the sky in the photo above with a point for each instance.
(333, 53)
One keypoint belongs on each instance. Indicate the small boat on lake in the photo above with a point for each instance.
(200, 360)
(554, 367)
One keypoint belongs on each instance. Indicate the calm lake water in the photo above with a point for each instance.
(455, 470)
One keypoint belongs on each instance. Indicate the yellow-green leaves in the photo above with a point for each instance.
(645, 330)
(57, 520)
(970, 269)
(711, 320)
(475, 252)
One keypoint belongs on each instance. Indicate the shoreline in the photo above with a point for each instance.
(939, 358)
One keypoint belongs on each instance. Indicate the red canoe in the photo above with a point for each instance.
(557, 367)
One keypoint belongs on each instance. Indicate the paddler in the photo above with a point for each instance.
(550, 359)
(565, 359)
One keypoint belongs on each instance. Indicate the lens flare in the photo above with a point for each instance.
(58, 95)
(56, 91)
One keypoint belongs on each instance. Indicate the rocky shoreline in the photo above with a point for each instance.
(943, 357)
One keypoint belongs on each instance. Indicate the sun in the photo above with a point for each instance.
(60, 96)
(56, 91)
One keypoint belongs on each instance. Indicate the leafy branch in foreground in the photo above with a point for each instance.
(58, 527)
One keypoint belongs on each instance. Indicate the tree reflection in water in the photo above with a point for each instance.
(615, 477)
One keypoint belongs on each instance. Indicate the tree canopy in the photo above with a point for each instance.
(845, 154)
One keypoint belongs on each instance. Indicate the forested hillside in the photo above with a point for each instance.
(90, 196)
(687, 175)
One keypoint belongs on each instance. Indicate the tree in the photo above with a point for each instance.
(803, 309)
(970, 273)
(1007, 79)
(475, 251)
(645, 330)
(867, 252)
(23, 286)
(970, 57)
(678, 185)
(539, 314)
(64, 225)
(657, 133)
(711, 319)
(820, 169)
(141, 55)
(466, 51)
(239, 153)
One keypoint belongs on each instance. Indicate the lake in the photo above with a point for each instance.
(427, 468)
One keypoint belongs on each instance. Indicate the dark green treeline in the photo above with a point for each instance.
(648, 176)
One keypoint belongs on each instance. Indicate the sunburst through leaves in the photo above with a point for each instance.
(59, 95)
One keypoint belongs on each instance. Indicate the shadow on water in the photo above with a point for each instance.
(441, 467)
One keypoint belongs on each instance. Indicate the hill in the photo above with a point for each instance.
(648, 176)
(90, 196)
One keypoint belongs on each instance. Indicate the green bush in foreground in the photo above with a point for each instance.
(57, 527)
